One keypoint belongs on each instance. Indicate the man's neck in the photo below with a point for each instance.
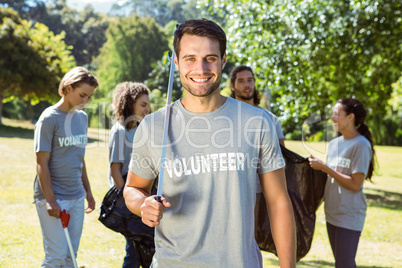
(250, 101)
(203, 104)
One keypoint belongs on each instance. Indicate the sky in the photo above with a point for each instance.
(101, 6)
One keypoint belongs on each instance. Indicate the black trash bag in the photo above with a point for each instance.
(115, 215)
(306, 191)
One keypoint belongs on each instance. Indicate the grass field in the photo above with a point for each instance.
(21, 240)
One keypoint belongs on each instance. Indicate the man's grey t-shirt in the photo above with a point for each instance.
(279, 133)
(276, 123)
(64, 135)
(345, 208)
(210, 171)
(120, 148)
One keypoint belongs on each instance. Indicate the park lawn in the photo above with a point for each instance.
(20, 235)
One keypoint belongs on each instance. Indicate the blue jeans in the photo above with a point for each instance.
(344, 245)
(130, 260)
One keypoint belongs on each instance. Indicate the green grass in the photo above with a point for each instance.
(20, 234)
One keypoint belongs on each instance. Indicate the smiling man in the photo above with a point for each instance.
(215, 147)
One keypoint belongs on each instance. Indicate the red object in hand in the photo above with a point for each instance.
(65, 218)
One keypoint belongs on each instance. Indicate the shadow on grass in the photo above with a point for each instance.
(23, 133)
(383, 199)
(302, 263)
(16, 132)
(329, 264)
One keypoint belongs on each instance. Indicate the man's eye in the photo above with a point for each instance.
(211, 59)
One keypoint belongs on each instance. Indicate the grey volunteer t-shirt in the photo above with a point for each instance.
(64, 135)
(279, 133)
(120, 148)
(210, 171)
(345, 208)
(276, 123)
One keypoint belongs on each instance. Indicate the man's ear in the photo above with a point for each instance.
(224, 61)
(176, 61)
(231, 86)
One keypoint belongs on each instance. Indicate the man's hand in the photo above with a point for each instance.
(152, 210)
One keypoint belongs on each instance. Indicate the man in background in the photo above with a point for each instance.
(242, 83)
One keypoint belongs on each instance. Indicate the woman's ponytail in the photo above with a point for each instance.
(356, 107)
(364, 131)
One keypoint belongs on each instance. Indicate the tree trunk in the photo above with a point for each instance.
(30, 108)
(1, 105)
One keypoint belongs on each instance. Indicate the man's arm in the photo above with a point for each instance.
(282, 142)
(281, 216)
(140, 202)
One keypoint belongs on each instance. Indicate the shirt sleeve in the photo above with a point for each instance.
(361, 158)
(270, 154)
(116, 146)
(43, 135)
(278, 128)
(144, 162)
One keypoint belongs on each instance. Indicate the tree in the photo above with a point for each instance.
(33, 59)
(84, 31)
(163, 11)
(311, 53)
(132, 45)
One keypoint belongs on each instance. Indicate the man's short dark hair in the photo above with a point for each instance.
(233, 76)
(203, 28)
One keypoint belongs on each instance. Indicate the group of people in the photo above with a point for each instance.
(216, 148)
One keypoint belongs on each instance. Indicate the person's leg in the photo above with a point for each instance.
(331, 230)
(54, 240)
(130, 260)
(76, 209)
(345, 244)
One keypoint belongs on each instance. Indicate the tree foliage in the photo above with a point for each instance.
(33, 59)
(163, 11)
(132, 45)
(84, 31)
(310, 53)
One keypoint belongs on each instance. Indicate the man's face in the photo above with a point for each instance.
(244, 86)
(200, 65)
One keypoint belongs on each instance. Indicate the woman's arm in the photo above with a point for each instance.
(353, 182)
(42, 168)
(87, 187)
(115, 172)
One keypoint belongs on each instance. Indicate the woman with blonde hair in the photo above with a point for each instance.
(62, 182)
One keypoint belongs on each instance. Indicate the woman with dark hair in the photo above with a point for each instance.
(350, 161)
(131, 101)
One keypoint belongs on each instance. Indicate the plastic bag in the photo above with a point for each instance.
(115, 215)
(306, 191)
